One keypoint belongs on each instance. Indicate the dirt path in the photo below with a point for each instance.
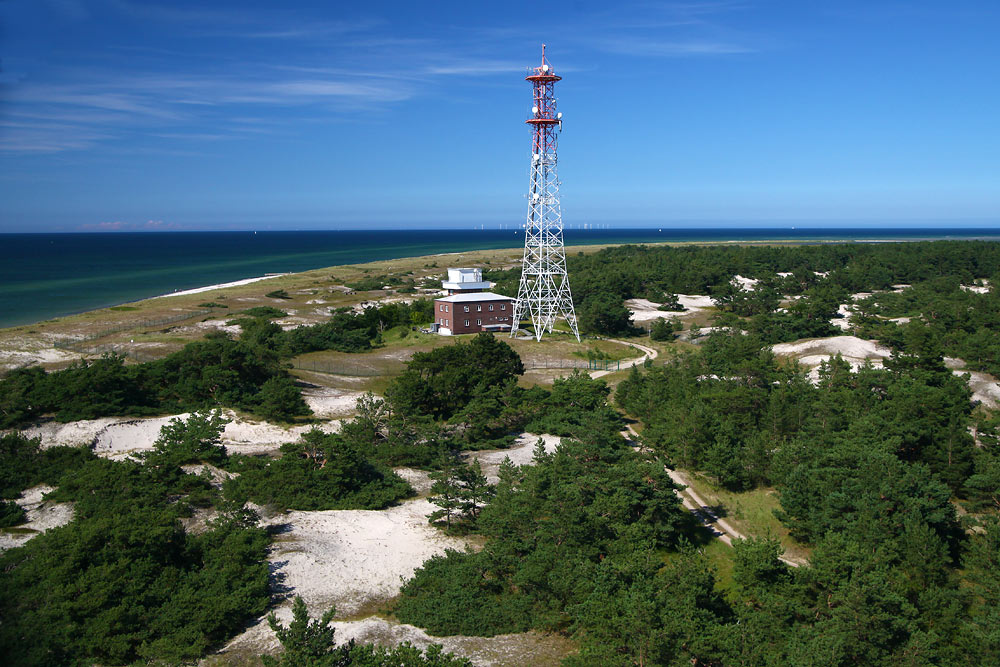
(694, 503)
(648, 353)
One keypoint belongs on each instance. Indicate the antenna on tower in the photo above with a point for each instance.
(543, 293)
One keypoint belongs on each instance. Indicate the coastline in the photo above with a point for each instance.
(47, 276)
(209, 288)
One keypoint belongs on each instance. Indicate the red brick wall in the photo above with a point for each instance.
(454, 316)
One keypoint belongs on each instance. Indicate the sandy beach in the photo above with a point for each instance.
(235, 283)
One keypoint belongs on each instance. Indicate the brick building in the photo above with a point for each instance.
(468, 308)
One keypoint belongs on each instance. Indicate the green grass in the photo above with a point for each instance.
(720, 555)
(604, 350)
(123, 308)
(750, 512)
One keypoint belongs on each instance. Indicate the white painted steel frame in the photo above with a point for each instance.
(544, 294)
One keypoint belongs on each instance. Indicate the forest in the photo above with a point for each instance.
(889, 476)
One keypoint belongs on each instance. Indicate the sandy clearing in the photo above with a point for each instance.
(844, 312)
(42, 515)
(420, 480)
(328, 402)
(978, 289)
(350, 558)
(217, 325)
(520, 453)
(293, 323)
(644, 310)
(117, 438)
(850, 347)
(812, 352)
(356, 558)
(984, 386)
(748, 284)
(347, 558)
(11, 359)
(530, 648)
(73, 434)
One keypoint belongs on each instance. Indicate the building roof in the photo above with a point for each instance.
(460, 286)
(466, 279)
(473, 297)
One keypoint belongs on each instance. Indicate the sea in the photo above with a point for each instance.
(48, 275)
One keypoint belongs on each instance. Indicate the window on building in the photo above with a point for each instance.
(503, 306)
(491, 306)
(479, 307)
(479, 321)
(466, 309)
(466, 322)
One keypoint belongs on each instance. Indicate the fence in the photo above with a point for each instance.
(126, 326)
(590, 364)
(137, 355)
(349, 367)
(386, 367)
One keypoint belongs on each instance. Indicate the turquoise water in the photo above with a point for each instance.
(47, 275)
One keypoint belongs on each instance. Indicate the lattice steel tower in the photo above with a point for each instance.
(543, 294)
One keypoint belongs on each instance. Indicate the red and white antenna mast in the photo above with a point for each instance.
(544, 294)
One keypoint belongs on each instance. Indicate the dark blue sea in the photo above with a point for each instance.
(48, 275)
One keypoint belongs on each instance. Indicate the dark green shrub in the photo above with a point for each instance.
(11, 514)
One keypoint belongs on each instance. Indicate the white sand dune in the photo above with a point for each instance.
(117, 438)
(329, 402)
(748, 284)
(984, 386)
(521, 453)
(42, 516)
(11, 359)
(644, 310)
(354, 559)
(812, 352)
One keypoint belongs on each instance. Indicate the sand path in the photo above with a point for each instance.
(648, 353)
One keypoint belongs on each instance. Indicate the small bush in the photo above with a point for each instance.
(264, 311)
(212, 304)
(278, 294)
(11, 514)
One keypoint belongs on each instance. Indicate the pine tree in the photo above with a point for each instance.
(307, 643)
(445, 493)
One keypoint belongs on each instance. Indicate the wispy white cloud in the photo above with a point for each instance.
(475, 67)
(314, 30)
(637, 46)
(198, 92)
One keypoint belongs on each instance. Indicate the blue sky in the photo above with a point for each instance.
(121, 114)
